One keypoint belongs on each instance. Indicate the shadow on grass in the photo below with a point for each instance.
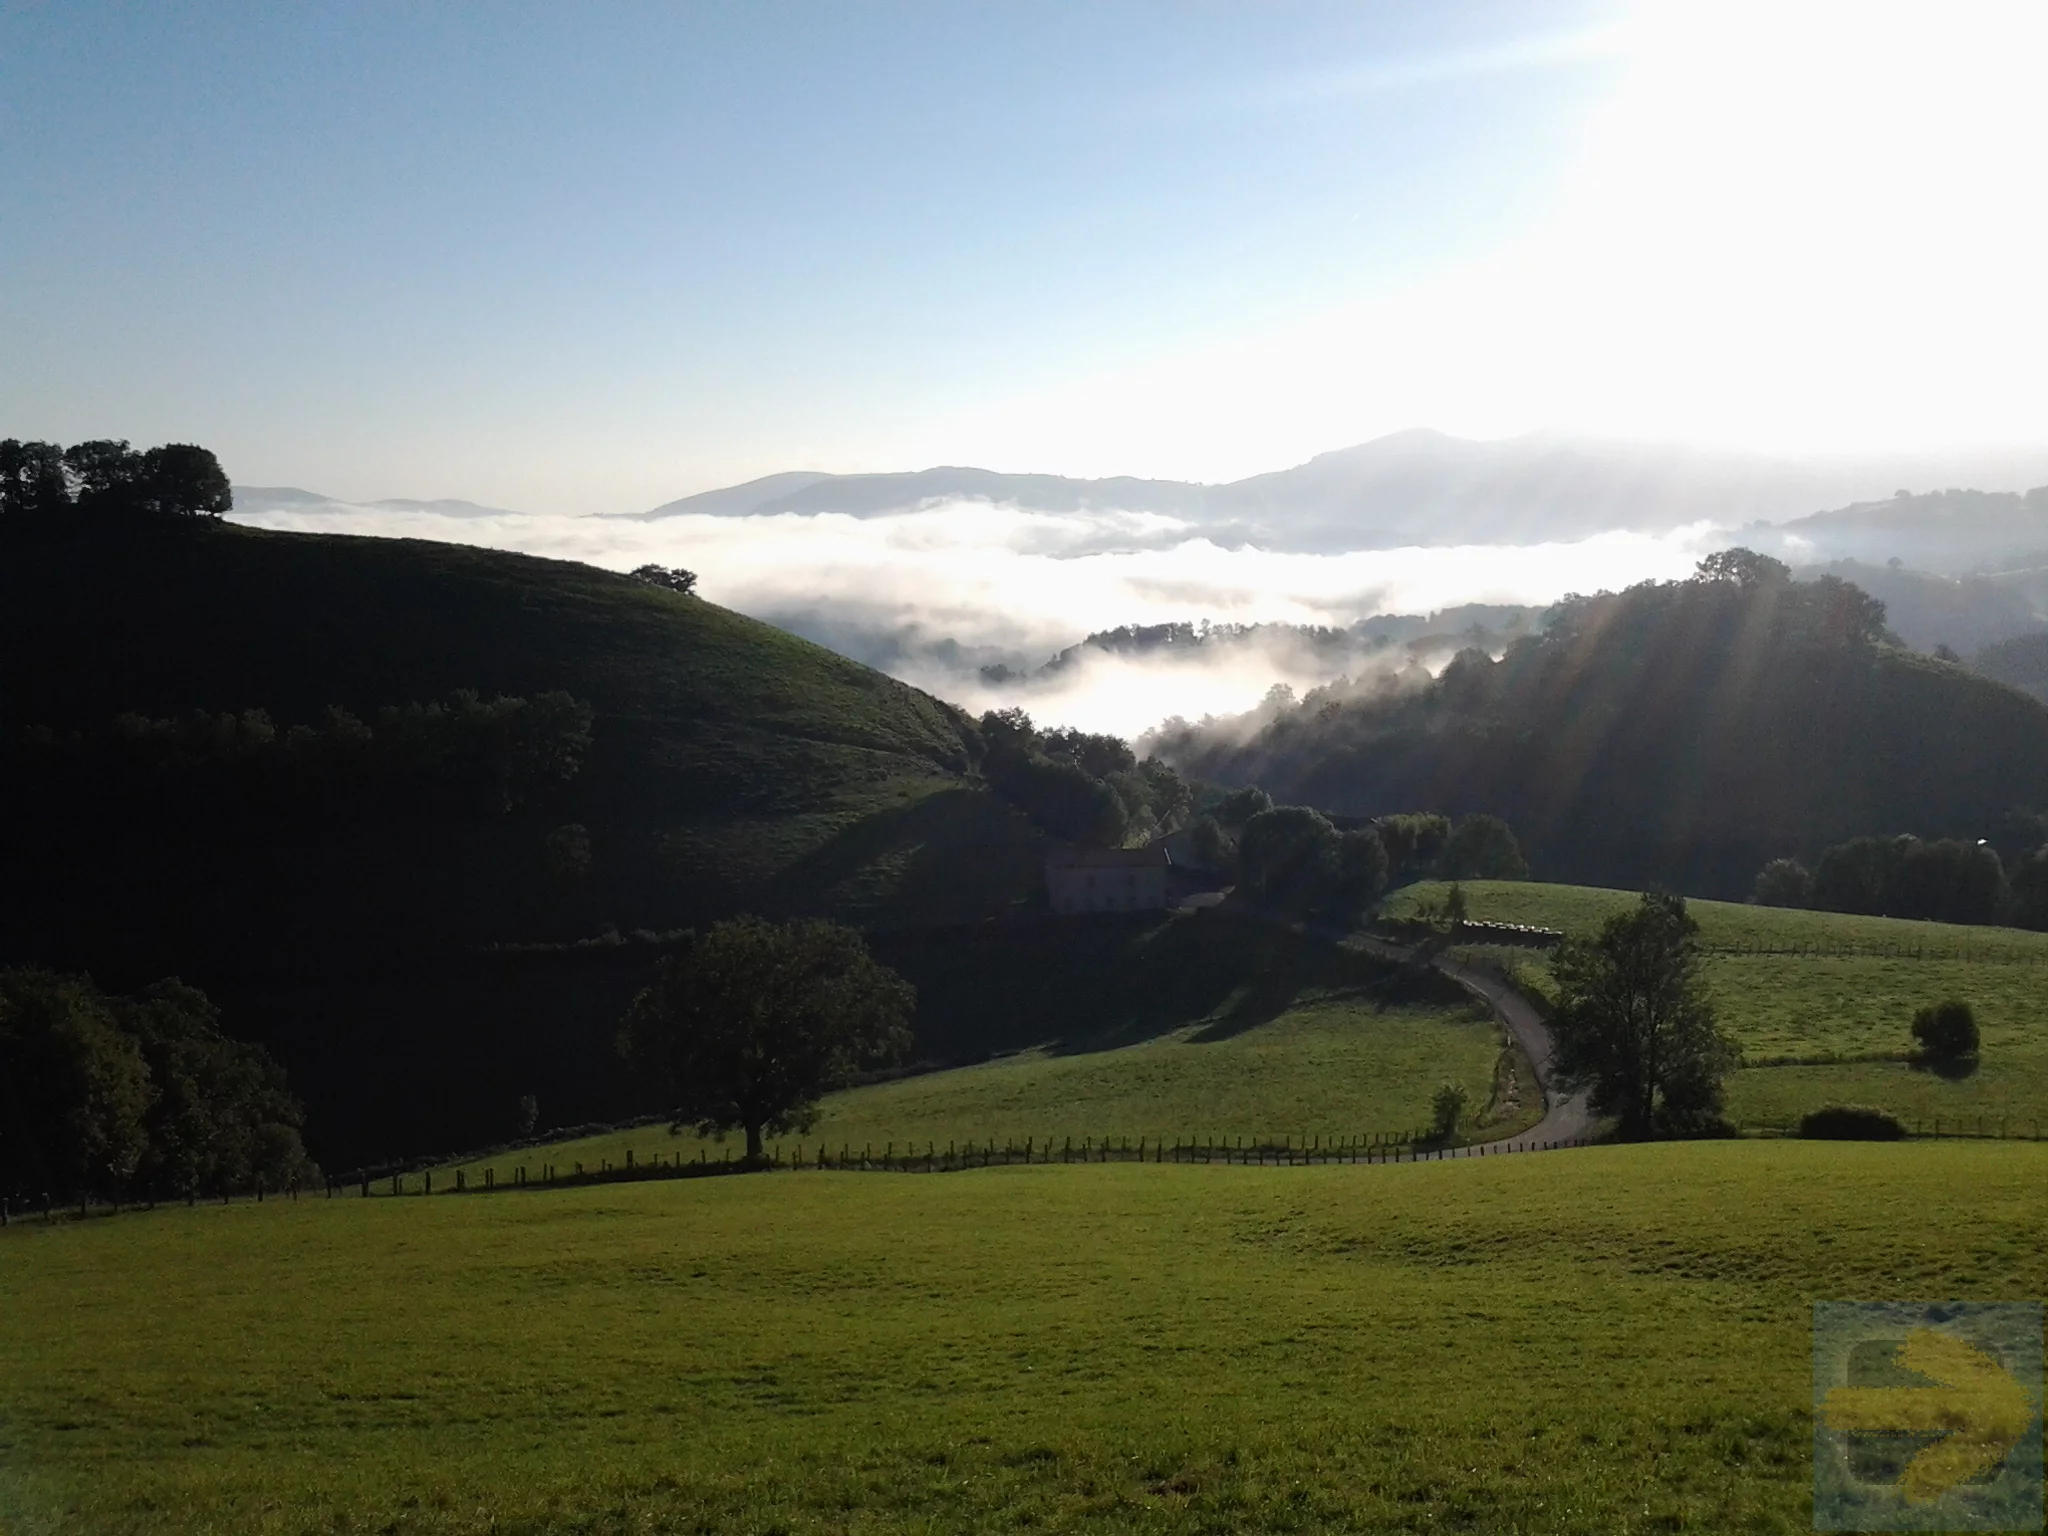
(1950, 1069)
(956, 855)
(1074, 985)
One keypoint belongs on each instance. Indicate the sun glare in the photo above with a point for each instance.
(1807, 228)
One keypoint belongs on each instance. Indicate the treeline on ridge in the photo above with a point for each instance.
(106, 477)
(467, 754)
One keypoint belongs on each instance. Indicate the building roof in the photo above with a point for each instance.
(1154, 857)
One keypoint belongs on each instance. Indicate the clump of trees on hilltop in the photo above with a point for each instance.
(1296, 859)
(128, 1098)
(41, 482)
(1079, 787)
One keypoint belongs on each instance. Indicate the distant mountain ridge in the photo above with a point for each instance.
(1414, 487)
(256, 499)
(1950, 532)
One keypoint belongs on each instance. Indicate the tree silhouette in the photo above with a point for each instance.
(756, 1021)
(1634, 1023)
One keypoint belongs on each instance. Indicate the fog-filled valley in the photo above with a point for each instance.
(1114, 605)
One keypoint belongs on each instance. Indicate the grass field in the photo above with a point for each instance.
(1582, 908)
(1612, 1340)
(1852, 995)
(1335, 1060)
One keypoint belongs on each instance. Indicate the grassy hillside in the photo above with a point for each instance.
(2021, 662)
(1598, 1341)
(1806, 993)
(1330, 1068)
(1679, 734)
(1205, 1025)
(731, 766)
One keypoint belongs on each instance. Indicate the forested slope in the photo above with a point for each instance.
(1680, 733)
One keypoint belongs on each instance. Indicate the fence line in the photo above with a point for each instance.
(1942, 1128)
(956, 1156)
(1856, 950)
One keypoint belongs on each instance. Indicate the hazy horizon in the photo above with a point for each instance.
(568, 264)
(932, 590)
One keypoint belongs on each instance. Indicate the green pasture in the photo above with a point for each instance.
(1581, 909)
(1612, 1340)
(1809, 1022)
(1332, 1065)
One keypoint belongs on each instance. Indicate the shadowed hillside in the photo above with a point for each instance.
(347, 914)
(1679, 733)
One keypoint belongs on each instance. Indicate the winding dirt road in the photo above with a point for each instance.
(1566, 1118)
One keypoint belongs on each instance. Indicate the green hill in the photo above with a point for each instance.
(729, 766)
(1679, 734)
(2021, 662)
(1205, 1026)
(1821, 1003)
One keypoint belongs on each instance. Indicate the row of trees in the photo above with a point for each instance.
(135, 1097)
(467, 753)
(1078, 787)
(1943, 880)
(43, 482)
(1295, 859)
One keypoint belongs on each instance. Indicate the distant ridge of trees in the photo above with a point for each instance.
(106, 477)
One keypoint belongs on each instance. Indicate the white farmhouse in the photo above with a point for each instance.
(1107, 879)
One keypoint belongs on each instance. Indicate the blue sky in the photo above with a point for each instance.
(589, 258)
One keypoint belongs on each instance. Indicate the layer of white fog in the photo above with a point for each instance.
(938, 594)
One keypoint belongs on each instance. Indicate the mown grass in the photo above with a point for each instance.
(1331, 1067)
(1803, 1019)
(1612, 1340)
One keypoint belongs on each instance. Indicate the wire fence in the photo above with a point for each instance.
(1941, 1128)
(956, 1156)
(1849, 949)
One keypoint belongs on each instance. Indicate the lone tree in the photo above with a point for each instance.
(676, 579)
(1635, 1025)
(756, 1021)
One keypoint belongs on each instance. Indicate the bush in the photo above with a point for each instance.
(1448, 1109)
(1851, 1122)
(1946, 1032)
(1783, 883)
